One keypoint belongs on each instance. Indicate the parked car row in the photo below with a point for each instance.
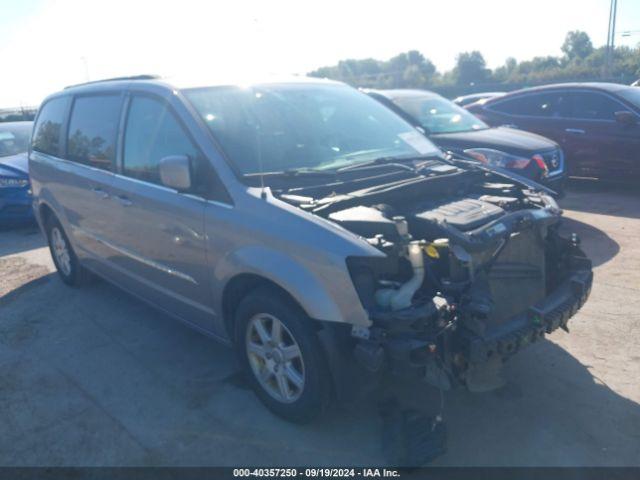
(454, 129)
(311, 227)
(597, 125)
(544, 134)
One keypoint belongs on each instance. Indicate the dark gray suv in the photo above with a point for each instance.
(306, 224)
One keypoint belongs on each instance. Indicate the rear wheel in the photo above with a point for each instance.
(64, 258)
(280, 354)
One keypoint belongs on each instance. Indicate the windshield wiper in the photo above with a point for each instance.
(291, 173)
(376, 162)
(390, 161)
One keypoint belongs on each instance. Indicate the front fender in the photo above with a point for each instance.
(326, 296)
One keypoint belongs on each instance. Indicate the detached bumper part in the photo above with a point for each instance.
(410, 438)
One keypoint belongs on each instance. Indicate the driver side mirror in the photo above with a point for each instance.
(175, 172)
(626, 118)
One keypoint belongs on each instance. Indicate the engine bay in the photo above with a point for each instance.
(440, 233)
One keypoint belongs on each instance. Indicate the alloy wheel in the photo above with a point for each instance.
(275, 358)
(61, 251)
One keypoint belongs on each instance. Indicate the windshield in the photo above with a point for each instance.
(14, 138)
(439, 115)
(304, 127)
(631, 94)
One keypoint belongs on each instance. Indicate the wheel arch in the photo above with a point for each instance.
(346, 377)
(253, 265)
(45, 207)
(239, 287)
(45, 212)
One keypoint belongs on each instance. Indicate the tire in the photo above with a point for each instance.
(64, 258)
(306, 377)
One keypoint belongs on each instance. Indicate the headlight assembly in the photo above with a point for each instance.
(497, 158)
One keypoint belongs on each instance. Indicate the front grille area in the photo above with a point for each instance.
(554, 160)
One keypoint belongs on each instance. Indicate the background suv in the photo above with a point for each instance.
(596, 124)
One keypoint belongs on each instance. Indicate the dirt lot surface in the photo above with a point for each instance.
(92, 376)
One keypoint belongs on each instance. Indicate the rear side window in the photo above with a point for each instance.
(93, 129)
(549, 104)
(46, 134)
(153, 133)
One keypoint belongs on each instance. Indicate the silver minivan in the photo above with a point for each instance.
(306, 224)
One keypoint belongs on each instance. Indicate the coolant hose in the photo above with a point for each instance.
(401, 297)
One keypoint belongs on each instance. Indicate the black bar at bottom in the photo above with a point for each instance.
(430, 473)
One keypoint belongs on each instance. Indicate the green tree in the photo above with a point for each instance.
(580, 62)
(503, 73)
(409, 69)
(471, 68)
(577, 44)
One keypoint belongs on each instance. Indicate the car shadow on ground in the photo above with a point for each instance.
(18, 239)
(176, 393)
(597, 245)
(602, 198)
(551, 412)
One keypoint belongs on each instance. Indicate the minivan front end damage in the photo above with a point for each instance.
(458, 338)
(472, 274)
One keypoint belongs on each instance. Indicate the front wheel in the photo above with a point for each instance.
(280, 354)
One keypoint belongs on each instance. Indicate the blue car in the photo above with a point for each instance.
(15, 189)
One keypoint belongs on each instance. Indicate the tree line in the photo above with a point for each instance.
(580, 61)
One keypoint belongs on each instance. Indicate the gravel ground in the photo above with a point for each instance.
(94, 377)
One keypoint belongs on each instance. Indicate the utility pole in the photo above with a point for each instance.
(611, 38)
(85, 64)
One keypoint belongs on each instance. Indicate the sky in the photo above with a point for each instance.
(47, 44)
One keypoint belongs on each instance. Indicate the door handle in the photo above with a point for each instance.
(124, 200)
(100, 192)
(576, 131)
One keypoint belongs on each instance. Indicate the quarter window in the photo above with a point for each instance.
(46, 134)
(153, 133)
(93, 129)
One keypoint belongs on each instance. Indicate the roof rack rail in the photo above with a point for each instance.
(133, 77)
